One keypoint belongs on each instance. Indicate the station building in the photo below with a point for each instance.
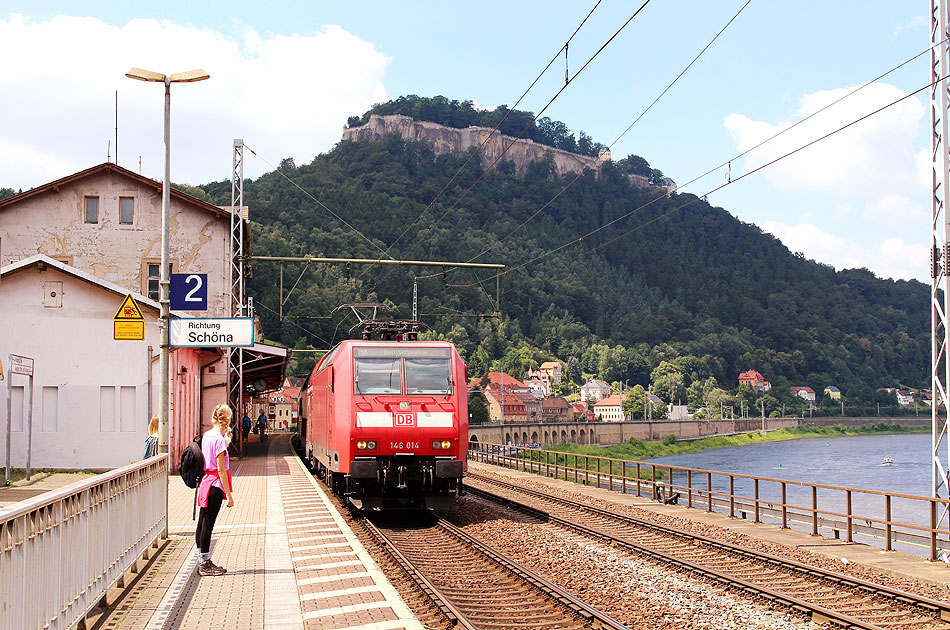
(71, 252)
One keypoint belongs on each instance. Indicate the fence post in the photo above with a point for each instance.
(756, 501)
(784, 506)
(887, 522)
(847, 494)
(689, 488)
(732, 496)
(933, 530)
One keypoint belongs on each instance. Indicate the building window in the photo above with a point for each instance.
(151, 274)
(126, 207)
(151, 282)
(91, 206)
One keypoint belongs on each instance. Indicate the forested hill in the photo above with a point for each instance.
(678, 281)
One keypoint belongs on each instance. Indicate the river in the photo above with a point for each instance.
(852, 462)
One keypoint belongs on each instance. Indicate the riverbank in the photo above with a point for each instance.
(641, 449)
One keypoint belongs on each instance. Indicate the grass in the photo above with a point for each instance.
(639, 449)
(573, 455)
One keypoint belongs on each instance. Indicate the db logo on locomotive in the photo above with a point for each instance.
(404, 419)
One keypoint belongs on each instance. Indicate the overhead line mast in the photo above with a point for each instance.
(940, 257)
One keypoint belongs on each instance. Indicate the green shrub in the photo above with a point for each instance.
(669, 440)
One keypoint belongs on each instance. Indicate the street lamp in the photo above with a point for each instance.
(163, 283)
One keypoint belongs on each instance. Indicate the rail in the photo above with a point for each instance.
(61, 551)
(876, 517)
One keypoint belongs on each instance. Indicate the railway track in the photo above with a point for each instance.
(477, 587)
(827, 597)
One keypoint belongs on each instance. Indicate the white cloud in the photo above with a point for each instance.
(918, 23)
(893, 258)
(873, 160)
(286, 96)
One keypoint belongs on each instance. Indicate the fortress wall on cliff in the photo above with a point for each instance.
(450, 140)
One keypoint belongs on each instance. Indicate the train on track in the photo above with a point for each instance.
(385, 422)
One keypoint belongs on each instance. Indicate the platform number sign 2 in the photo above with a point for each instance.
(189, 292)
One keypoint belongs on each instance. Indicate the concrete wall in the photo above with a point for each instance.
(616, 432)
(52, 223)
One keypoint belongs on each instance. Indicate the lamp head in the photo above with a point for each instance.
(145, 75)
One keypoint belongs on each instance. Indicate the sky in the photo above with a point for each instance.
(285, 76)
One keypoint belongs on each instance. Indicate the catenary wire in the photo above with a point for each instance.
(317, 201)
(292, 322)
(736, 157)
(505, 151)
(617, 139)
(489, 136)
(692, 201)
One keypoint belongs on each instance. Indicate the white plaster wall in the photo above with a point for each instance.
(52, 223)
(75, 353)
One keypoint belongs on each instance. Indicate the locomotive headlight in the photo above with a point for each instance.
(366, 445)
(444, 444)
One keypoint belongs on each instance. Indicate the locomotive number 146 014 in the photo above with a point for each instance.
(403, 445)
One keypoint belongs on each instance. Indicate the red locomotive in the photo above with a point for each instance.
(385, 423)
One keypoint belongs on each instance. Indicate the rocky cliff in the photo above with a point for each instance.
(447, 140)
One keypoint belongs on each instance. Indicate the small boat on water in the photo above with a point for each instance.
(887, 462)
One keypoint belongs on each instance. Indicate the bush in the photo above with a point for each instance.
(669, 440)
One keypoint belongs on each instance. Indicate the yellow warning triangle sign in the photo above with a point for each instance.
(129, 310)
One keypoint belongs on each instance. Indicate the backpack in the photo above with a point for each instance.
(192, 465)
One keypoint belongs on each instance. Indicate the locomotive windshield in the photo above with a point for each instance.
(377, 376)
(402, 370)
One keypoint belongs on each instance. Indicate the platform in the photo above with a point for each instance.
(292, 562)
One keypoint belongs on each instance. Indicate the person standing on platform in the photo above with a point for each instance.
(261, 425)
(246, 426)
(215, 486)
(151, 442)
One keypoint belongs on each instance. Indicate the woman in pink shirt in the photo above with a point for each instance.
(215, 486)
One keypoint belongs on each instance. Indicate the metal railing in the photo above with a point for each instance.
(879, 518)
(61, 551)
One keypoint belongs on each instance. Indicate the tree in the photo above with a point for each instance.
(574, 370)
(668, 382)
(633, 403)
(477, 409)
(699, 390)
(517, 362)
(719, 403)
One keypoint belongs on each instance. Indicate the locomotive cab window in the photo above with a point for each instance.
(428, 376)
(405, 371)
(377, 375)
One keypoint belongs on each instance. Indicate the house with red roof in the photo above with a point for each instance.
(754, 380)
(556, 409)
(610, 409)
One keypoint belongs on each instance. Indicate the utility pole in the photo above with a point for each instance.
(940, 236)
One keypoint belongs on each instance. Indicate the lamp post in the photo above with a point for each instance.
(163, 282)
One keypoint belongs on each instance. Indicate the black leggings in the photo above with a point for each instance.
(206, 518)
